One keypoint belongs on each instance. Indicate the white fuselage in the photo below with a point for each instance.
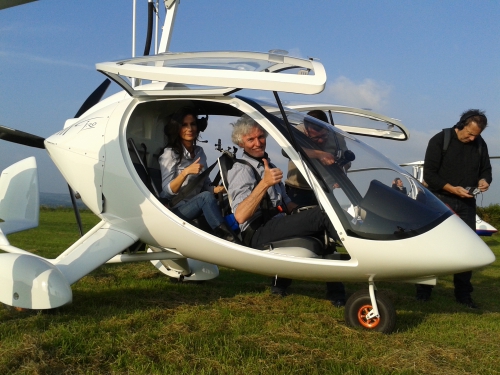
(92, 155)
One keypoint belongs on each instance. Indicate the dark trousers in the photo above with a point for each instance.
(466, 209)
(311, 222)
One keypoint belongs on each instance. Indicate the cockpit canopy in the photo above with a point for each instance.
(361, 184)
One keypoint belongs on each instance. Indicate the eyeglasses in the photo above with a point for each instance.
(316, 133)
(319, 137)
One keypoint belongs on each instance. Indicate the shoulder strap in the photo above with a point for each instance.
(447, 139)
(265, 204)
(191, 185)
(480, 141)
(255, 172)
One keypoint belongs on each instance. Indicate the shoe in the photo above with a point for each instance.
(279, 292)
(338, 302)
(422, 297)
(468, 302)
(223, 231)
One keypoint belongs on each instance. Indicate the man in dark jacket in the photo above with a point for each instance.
(397, 184)
(456, 167)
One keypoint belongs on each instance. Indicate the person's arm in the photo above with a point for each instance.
(457, 190)
(324, 158)
(485, 175)
(194, 168)
(246, 209)
(432, 163)
(171, 178)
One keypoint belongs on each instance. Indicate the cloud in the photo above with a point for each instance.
(367, 94)
(44, 60)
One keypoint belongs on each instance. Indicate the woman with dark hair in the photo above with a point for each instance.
(181, 162)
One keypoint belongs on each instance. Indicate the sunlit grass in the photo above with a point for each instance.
(130, 319)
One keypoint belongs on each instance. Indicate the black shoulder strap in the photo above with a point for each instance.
(255, 172)
(480, 140)
(265, 204)
(191, 185)
(447, 139)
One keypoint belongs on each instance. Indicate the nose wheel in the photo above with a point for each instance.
(360, 312)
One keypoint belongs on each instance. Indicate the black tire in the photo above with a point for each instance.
(359, 304)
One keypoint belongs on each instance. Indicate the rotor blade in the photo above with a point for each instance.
(93, 98)
(12, 3)
(75, 209)
(17, 136)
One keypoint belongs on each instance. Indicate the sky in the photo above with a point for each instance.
(423, 63)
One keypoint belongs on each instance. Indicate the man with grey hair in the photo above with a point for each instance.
(258, 197)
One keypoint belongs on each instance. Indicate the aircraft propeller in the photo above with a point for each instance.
(20, 137)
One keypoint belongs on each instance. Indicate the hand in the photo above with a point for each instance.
(326, 158)
(219, 189)
(272, 176)
(483, 185)
(194, 168)
(462, 192)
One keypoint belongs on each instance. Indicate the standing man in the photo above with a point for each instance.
(256, 180)
(457, 159)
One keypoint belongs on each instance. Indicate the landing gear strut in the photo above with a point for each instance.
(370, 310)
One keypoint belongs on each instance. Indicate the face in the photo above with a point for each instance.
(254, 143)
(189, 129)
(469, 133)
(399, 183)
(318, 134)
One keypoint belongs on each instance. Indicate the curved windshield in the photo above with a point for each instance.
(373, 197)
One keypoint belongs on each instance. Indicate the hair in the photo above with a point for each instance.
(243, 126)
(473, 115)
(397, 179)
(173, 127)
(320, 115)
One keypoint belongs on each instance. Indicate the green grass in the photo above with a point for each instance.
(130, 319)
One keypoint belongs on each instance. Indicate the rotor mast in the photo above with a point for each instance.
(166, 35)
(168, 25)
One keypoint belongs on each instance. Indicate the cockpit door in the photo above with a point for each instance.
(360, 121)
(223, 72)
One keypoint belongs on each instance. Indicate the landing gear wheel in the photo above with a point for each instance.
(359, 305)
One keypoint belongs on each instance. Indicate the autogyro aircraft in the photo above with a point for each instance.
(384, 235)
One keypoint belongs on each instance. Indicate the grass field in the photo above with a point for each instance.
(130, 319)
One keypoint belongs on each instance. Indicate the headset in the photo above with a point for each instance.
(467, 115)
(201, 123)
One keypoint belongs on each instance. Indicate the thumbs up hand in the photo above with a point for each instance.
(272, 176)
(194, 168)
